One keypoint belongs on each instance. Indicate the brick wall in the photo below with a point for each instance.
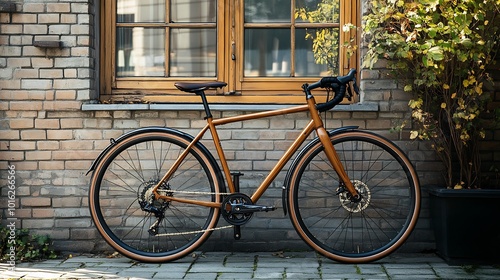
(52, 141)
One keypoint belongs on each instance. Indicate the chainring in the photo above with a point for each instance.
(229, 203)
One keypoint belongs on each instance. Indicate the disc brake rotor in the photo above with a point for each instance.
(356, 206)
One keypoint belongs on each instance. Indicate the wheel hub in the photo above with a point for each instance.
(355, 204)
(147, 199)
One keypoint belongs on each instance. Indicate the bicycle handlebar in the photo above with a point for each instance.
(339, 84)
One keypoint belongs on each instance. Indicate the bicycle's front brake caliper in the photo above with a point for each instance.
(358, 203)
(342, 190)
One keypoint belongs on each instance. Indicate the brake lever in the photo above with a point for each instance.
(355, 85)
(349, 93)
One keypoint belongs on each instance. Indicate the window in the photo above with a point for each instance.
(263, 49)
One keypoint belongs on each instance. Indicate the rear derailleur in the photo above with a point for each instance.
(150, 204)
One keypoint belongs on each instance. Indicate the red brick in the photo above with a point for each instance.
(62, 105)
(65, 95)
(47, 123)
(43, 213)
(23, 18)
(21, 123)
(33, 8)
(33, 134)
(38, 155)
(58, 8)
(59, 134)
(9, 155)
(35, 201)
(71, 123)
(51, 165)
(77, 145)
(77, 164)
(26, 105)
(78, 155)
(22, 145)
(88, 134)
(26, 166)
(48, 145)
(41, 62)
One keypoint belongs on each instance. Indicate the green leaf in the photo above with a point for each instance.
(436, 53)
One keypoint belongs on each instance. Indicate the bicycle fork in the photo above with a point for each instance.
(333, 157)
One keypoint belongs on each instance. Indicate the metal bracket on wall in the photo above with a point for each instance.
(7, 7)
(47, 44)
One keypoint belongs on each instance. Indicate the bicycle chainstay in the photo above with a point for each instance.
(196, 231)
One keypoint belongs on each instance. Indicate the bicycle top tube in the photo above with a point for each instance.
(339, 84)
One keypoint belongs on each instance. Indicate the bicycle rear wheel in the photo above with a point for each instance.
(346, 231)
(123, 206)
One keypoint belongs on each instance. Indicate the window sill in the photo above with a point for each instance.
(358, 107)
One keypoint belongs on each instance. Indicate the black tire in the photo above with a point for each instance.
(121, 181)
(342, 230)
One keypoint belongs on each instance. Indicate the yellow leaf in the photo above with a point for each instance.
(413, 134)
(458, 187)
(453, 95)
(446, 86)
(443, 105)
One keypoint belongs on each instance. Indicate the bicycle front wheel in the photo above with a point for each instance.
(125, 210)
(342, 229)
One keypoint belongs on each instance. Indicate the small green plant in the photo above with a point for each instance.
(27, 246)
(440, 51)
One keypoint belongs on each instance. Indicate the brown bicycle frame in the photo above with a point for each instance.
(316, 124)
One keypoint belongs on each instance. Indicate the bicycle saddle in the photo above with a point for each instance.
(197, 87)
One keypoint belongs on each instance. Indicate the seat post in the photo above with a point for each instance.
(205, 103)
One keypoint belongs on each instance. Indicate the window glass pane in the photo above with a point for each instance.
(267, 11)
(140, 51)
(305, 62)
(321, 11)
(193, 52)
(193, 11)
(140, 11)
(267, 52)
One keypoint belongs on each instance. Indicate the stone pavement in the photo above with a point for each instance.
(257, 265)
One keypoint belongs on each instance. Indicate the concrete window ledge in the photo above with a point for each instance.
(359, 107)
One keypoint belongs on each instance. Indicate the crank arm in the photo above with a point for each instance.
(245, 208)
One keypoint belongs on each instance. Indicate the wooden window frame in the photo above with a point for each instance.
(240, 89)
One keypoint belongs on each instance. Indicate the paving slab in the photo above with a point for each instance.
(248, 265)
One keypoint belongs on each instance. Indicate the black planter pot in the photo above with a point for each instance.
(466, 225)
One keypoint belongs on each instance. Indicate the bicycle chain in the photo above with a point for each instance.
(195, 231)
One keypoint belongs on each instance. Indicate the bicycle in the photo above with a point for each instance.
(156, 193)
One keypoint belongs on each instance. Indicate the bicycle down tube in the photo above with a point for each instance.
(316, 124)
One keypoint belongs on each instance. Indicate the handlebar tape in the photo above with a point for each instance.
(338, 84)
